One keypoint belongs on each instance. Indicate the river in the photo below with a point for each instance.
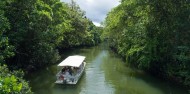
(105, 73)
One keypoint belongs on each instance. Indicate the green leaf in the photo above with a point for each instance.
(13, 79)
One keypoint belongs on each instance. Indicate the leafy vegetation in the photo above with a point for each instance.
(36, 28)
(152, 35)
(5, 48)
(12, 82)
(32, 31)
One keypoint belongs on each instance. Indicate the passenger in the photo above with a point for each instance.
(66, 68)
(75, 70)
(67, 74)
(61, 77)
(63, 70)
(70, 71)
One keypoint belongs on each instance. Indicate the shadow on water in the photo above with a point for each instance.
(105, 73)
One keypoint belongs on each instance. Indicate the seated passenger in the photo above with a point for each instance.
(70, 71)
(63, 70)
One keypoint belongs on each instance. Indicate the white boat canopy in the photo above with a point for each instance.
(74, 61)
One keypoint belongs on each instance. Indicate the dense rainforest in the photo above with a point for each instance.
(153, 35)
(31, 34)
(150, 35)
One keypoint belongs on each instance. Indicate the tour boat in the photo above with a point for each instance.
(71, 70)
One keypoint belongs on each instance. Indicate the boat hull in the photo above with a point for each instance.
(72, 80)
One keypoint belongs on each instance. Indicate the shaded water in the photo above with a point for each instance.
(105, 73)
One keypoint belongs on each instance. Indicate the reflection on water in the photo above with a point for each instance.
(105, 73)
(123, 78)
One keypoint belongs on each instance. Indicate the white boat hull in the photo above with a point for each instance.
(72, 79)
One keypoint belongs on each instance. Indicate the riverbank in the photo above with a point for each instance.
(157, 73)
(106, 70)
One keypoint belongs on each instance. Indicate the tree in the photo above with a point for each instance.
(6, 50)
(12, 82)
(31, 33)
(81, 31)
(152, 35)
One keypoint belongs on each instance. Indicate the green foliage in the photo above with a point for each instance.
(36, 28)
(81, 31)
(30, 33)
(5, 48)
(152, 35)
(12, 82)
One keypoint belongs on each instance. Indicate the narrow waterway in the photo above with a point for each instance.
(105, 73)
